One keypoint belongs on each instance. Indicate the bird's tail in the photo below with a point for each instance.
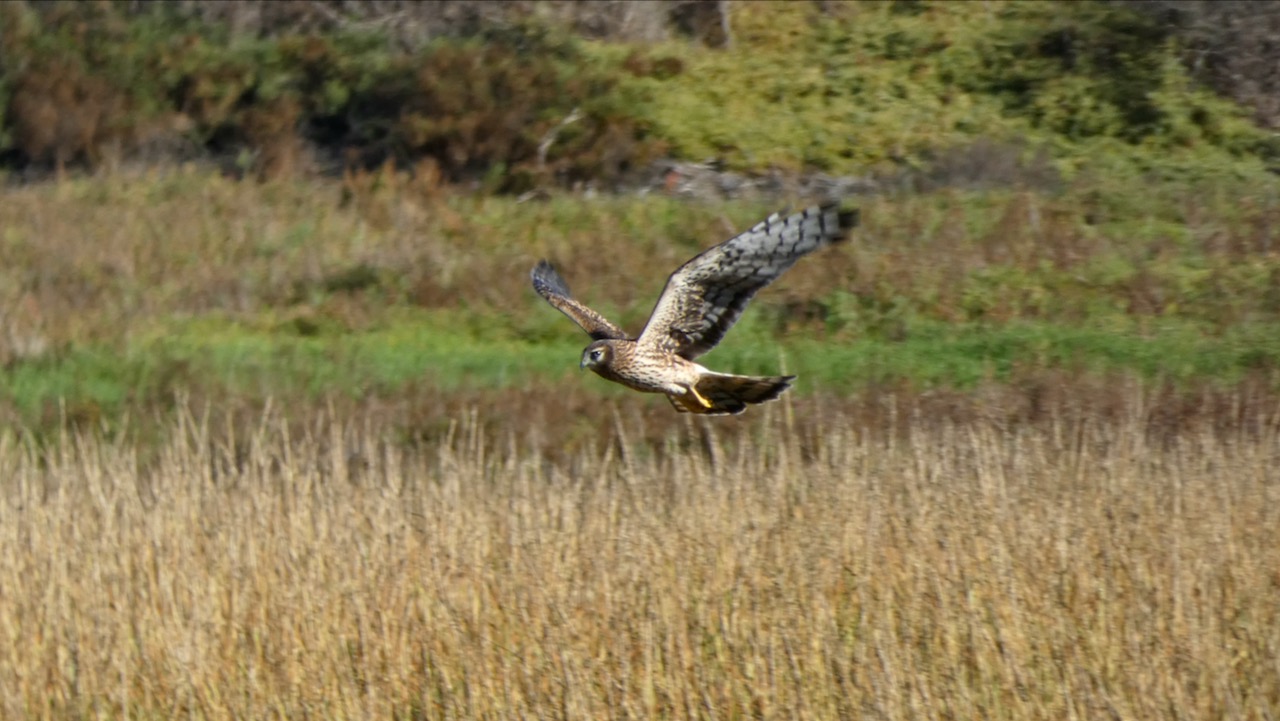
(726, 394)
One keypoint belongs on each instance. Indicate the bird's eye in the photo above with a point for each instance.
(596, 354)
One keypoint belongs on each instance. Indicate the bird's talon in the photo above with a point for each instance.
(705, 403)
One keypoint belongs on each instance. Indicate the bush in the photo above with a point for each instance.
(519, 107)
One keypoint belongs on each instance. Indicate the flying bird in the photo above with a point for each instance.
(702, 299)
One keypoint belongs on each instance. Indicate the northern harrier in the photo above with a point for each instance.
(701, 301)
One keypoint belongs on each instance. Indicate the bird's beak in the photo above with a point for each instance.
(582, 365)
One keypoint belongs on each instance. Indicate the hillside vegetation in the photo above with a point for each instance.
(516, 99)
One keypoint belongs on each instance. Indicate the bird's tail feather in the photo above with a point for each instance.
(729, 394)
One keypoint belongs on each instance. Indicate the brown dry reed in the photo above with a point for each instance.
(1057, 569)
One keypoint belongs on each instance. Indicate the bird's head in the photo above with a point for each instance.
(597, 355)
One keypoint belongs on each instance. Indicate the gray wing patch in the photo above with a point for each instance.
(707, 295)
(548, 283)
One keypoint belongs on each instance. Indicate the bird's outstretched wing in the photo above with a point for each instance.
(552, 287)
(706, 295)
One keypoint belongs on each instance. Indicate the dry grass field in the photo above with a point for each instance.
(1064, 568)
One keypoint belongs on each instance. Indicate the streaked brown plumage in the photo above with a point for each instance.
(701, 301)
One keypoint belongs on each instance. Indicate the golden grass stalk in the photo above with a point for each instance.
(1050, 571)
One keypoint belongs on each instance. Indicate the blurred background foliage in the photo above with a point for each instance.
(1050, 191)
(518, 94)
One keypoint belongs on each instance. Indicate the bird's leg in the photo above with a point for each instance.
(705, 403)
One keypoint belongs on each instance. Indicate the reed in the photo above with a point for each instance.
(1062, 568)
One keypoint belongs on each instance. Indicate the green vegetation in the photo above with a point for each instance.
(213, 359)
(1098, 85)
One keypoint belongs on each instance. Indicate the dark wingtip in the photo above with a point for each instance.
(544, 276)
(847, 218)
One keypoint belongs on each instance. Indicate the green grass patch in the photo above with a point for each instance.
(218, 358)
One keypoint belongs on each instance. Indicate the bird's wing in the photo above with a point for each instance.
(706, 295)
(552, 287)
